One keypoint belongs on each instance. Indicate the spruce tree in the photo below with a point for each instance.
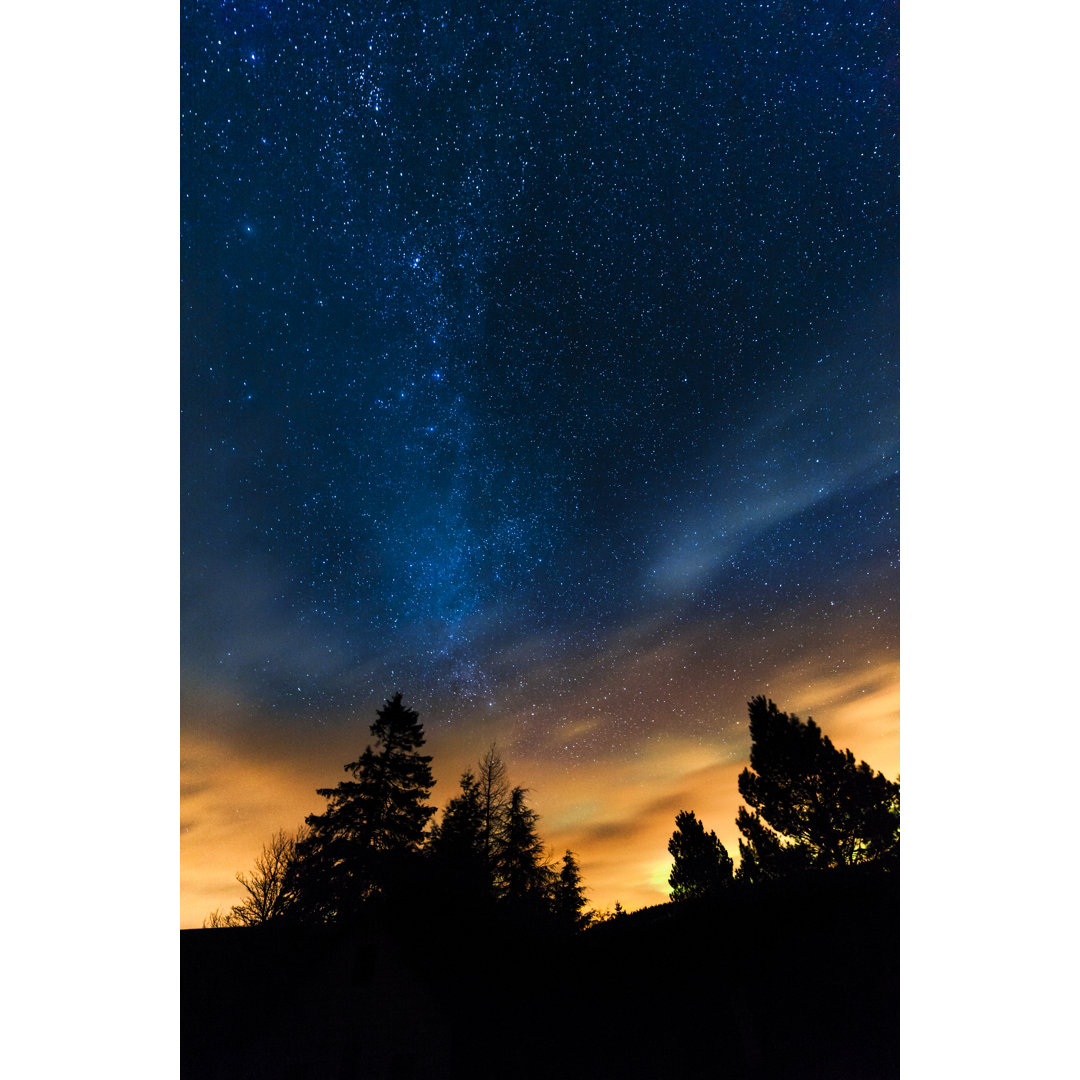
(521, 869)
(459, 835)
(372, 823)
(569, 899)
(456, 843)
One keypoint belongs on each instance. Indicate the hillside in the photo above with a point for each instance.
(794, 981)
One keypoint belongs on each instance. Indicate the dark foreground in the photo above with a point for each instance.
(790, 982)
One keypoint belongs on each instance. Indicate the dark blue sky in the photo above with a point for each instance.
(527, 318)
(521, 341)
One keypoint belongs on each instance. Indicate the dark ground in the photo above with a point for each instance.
(799, 981)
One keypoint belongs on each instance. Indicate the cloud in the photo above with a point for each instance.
(786, 460)
(752, 504)
(618, 815)
(858, 707)
(233, 797)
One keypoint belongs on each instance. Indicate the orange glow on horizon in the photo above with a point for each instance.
(615, 808)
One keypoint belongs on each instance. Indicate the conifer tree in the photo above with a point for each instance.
(763, 856)
(702, 865)
(521, 869)
(456, 843)
(811, 805)
(371, 823)
(460, 833)
(569, 898)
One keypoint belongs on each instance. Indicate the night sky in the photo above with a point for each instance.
(539, 361)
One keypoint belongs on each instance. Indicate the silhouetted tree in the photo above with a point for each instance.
(812, 805)
(460, 832)
(702, 865)
(762, 854)
(520, 859)
(494, 800)
(268, 888)
(371, 823)
(569, 897)
(456, 843)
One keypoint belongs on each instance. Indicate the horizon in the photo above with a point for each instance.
(619, 840)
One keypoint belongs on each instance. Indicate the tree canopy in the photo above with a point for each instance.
(811, 805)
(808, 806)
(375, 840)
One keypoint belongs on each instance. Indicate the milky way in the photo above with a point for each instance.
(527, 344)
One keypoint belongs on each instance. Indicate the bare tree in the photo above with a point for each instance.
(494, 795)
(215, 920)
(268, 894)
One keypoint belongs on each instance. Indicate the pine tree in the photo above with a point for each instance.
(812, 805)
(372, 823)
(762, 854)
(702, 865)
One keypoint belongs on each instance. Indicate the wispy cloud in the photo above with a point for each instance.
(750, 505)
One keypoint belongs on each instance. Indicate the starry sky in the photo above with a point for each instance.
(540, 361)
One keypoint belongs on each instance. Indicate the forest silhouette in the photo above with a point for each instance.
(377, 942)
